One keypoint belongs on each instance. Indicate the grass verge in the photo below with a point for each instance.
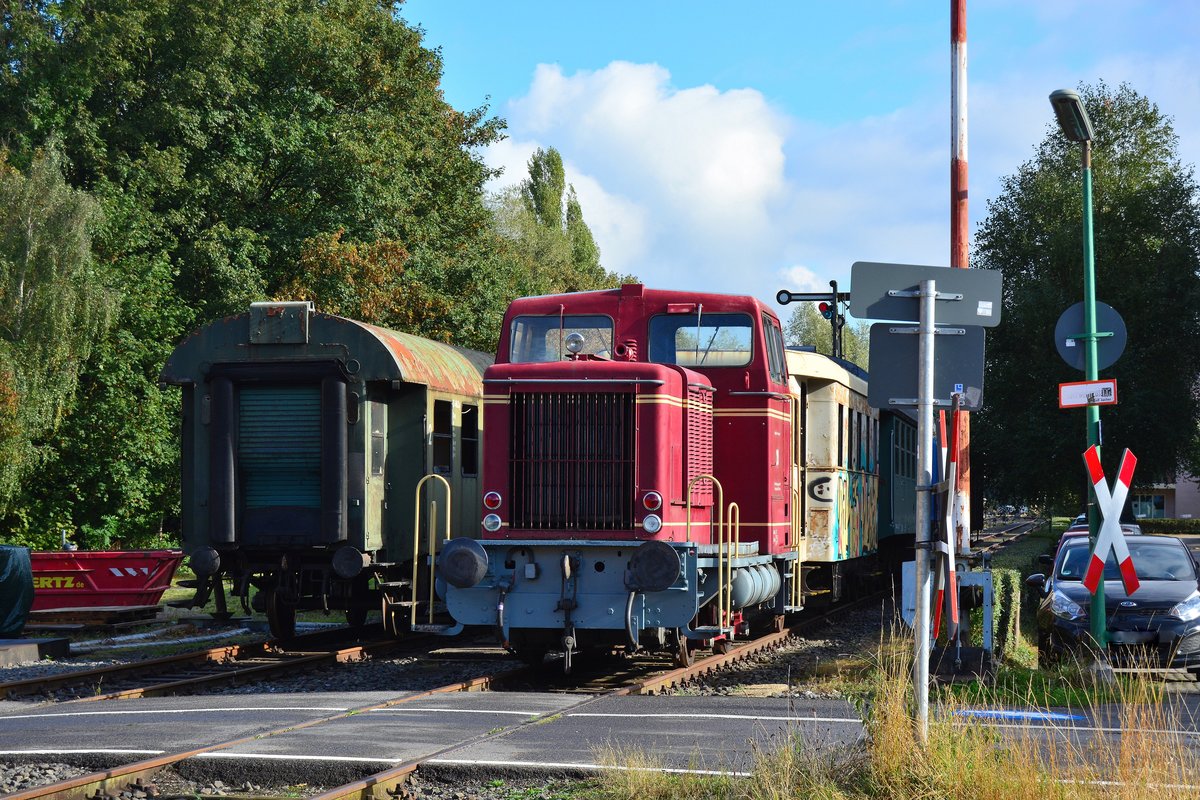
(964, 757)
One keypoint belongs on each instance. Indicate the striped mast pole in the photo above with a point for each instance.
(958, 242)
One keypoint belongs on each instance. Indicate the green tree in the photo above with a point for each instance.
(1147, 244)
(228, 144)
(541, 219)
(54, 306)
(806, 326)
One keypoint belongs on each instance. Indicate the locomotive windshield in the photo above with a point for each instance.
(544, 338)
(704, 340)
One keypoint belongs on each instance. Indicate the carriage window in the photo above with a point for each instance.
(841, 426)
(701, 340)
(470, 439)
(443, 436)
(543, 338)
(378, 434)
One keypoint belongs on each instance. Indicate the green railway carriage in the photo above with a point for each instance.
(305, 439)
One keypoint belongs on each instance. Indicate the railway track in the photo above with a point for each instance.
(215, 667)
(646, 676)
(993, 540)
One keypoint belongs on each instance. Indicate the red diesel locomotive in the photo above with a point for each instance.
(639, 484)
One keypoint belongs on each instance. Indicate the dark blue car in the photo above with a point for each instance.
(1158, 626)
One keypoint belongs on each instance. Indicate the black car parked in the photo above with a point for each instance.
(1159, 625)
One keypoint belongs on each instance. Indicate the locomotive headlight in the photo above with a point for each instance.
(491, 523)
(652, 523)
(652, 501)
(491, 501)
(574, 342)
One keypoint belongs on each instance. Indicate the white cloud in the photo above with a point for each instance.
(617, 223)
(802, 279)
(720, 191)
(709, 162)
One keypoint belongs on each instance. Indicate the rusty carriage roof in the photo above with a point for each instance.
(381, 354)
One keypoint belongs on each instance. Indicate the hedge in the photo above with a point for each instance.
(1171, 526)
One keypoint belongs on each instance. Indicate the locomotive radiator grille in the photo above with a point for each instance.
(572, 460)
(699, 445)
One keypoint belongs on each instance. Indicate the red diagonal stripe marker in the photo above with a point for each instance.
(1110, 536)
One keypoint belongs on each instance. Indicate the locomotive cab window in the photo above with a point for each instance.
(702, 340)
(776, 360)
(543, 338)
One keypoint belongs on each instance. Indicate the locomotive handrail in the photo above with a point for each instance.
(787, 398)
(798, 542)
(432, 543)
(733, 522)
(723, 589)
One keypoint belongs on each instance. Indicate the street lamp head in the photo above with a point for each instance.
(1072, 116)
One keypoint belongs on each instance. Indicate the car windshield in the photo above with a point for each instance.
(1152, 560)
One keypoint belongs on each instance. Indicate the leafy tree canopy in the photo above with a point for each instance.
(237, 150)
(1147, 246)
(54, 307)
(541, 227)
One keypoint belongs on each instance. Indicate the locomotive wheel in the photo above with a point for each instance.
(683, 654)
(389, 616)
(280, 616)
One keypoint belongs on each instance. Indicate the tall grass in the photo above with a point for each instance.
(963, 758)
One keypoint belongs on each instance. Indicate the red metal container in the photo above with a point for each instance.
(95, 578)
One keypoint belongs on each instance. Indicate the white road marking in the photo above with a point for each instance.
(571, 765)
(283, 757)
(632, 715)
(57, 751)
(130, 713)
(406, 709)
(1091, 728)
(854, 720)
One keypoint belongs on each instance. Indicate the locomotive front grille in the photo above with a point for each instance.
(572, 460)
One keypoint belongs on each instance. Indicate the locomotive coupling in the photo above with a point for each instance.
(462, 563)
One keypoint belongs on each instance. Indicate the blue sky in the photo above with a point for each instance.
(751, 147)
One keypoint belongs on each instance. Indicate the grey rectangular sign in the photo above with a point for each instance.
(957, 366)
(870, 283)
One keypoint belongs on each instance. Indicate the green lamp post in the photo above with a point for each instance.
(1077, 127)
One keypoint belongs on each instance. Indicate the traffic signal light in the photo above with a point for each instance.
(826, 310)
